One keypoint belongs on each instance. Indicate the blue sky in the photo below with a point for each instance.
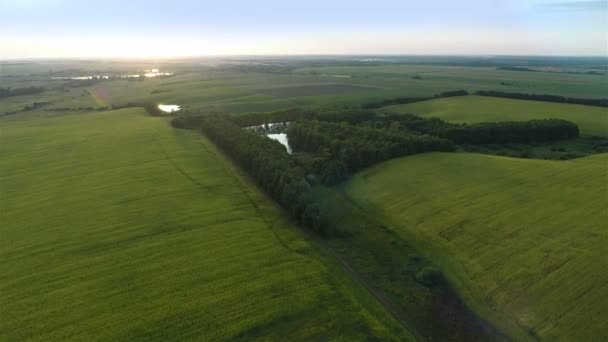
(137, 28)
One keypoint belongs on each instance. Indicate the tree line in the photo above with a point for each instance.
(545, 97)
(274, 170)
(342, 149)
(406, 100)
(285, 115)
(332, 147)
(8, 92)
(512, 132)
(486, 132)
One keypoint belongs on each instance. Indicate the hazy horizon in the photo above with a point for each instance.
(185, 28)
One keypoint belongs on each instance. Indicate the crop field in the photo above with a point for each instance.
(312, 90)
(117, 227)
(475, 109)
(525, 237)
(208, 88)
(433, 79)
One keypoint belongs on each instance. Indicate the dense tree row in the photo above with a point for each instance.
(406, 100)
(8, 92)
(286, 115)
(512, 132)
(351, 115)
(345, 148)
(511, 68)
(187, 121)
(546, 98)
(269, 164)
(591, 72)
(487, 132)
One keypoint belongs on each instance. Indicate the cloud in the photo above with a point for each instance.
(601, 5)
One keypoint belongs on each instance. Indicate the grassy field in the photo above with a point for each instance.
(525, 237)
(437, 78)
(205, 87)
(474, 109)
(117, 227)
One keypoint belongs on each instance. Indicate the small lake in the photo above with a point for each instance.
(339, 76)
(275, 131)
(169, 108)
(282, 138)
(147, 73)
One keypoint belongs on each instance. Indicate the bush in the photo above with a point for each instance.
(429, 276)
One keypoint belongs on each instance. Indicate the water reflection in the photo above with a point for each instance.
(147, 73)
(282, 138)
(169, 108)
(275, 131)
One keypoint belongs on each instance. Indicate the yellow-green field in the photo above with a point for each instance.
(526, 238)
(475, 109)
(117, 227)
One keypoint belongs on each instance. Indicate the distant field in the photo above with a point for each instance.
(117, 227)
(436, 78)
(474, 109)
(316, 89)
(204, 87)
(525, 236)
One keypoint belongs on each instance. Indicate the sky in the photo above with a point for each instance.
(176, 28)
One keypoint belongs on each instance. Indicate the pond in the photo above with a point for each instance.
(275, 131)
(147, 73)
(169, 108)
(282, 138)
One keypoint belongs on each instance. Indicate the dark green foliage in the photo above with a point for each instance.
(153, 110)
(452, 94)
(512, 132)
(429, 276)
(508, 68)
(187, 121)
(546, 98)
(295, 114)
(269, 164)
(256, 119)
(406, 100)
(487, 132)
(349, 148)
(394, 101)
(333, 171)
(350, 116)
(8, 92)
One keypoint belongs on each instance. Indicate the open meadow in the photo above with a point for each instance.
(524, 237)
(241, 87)
(117, 227)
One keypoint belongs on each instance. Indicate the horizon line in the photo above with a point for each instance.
(2, 59)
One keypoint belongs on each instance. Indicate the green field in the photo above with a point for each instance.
(205, 87)
(117, 227)
(438, 78)
(524, 237)
(475, 109)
